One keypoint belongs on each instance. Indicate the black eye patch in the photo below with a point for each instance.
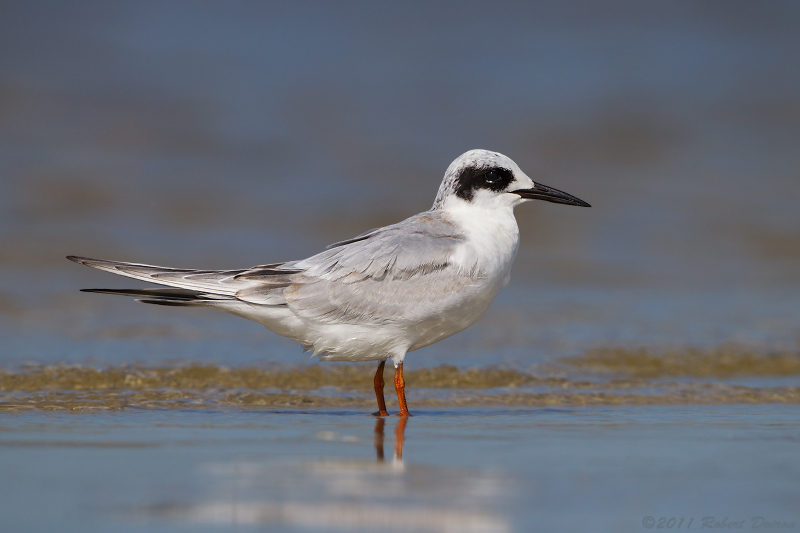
(471, 179)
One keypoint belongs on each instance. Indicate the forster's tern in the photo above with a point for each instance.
(386, 292)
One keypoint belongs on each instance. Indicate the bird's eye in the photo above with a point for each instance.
(491, 176)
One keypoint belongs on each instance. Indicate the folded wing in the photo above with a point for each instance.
(387, 275)
(393, 274)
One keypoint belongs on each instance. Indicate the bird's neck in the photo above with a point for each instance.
(492, 234)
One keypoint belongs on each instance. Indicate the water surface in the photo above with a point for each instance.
(476, 469)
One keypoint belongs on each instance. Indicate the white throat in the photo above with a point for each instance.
(492, 236)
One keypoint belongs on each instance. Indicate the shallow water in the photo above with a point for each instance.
(475, 469)
(643, 362)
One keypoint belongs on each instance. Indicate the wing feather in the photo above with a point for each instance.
(394, 274)
(212, 282)
(399, 272)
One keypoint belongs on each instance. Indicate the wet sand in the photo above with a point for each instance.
(619, 377)
(607, 441)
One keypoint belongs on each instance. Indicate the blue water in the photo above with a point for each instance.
(485, 469)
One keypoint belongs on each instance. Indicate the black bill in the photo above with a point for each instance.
(549, 194)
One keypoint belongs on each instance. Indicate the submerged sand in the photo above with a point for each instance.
(599, 377)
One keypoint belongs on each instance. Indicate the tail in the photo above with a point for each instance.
(261, 285)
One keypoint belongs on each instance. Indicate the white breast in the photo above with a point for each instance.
(486, 256)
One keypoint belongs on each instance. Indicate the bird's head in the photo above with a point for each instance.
(492, 180)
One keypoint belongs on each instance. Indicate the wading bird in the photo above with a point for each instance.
(384, 293)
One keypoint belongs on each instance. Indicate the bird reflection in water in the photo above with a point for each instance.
(338, 494)
(399, 437)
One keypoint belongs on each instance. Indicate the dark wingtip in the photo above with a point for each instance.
(79, 259)
(99, 291)
(169, 303)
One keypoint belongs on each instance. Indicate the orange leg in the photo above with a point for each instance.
(378, 382)
(399, 386)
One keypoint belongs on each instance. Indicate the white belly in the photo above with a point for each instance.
(349, 342)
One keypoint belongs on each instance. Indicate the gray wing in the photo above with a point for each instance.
(383, 276)
(380, 276)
